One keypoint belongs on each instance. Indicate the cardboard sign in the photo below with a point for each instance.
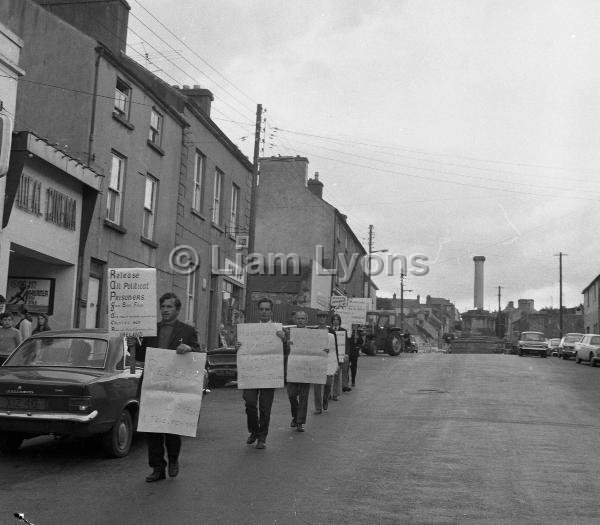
(171, 392)
(132, 301)
(307, 362)
(260, 358)
(355, 312)
(332, 360)
(341, 342)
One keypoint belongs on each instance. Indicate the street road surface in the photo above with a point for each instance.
(425, 438)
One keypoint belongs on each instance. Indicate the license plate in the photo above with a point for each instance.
(23, 403)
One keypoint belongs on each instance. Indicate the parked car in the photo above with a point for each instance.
(221, 366)
(70, 382)
(588, 349)
(566, 347)
(532, 343)
(553, 346)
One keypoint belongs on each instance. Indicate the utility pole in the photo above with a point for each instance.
(560, 303)
(368, 279)
(252, 225)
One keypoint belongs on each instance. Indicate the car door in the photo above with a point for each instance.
(582, 348)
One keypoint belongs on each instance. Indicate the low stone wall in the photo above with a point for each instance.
(477, 345)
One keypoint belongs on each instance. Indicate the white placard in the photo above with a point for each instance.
(341, 342)
(307, 362)
(260, 357)
(338, 301)
(171, 392)
(132, 301)
(355, 312)
(332, 360)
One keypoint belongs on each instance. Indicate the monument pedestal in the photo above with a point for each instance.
(478, 335)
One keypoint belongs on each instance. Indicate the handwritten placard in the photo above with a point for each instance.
(341, 343)
(132, 301)
(171, 392)
(355, 311)
(260, 357)
(332, 361)
(307, 362)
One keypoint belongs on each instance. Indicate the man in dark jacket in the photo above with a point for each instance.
(183, 338)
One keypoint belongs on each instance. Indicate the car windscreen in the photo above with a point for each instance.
(532, 337)
(572, 338)
(71, 352)
(595, 340)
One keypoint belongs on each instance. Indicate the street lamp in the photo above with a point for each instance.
(371, 252)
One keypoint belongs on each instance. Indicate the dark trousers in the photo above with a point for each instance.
(353, 367)
(156, 449)
(298, 394)
(258, 410)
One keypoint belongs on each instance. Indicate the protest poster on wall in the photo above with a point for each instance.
(260, 356)
(332, 360)
(171, 392)
(132, 301)
(35, 293)
(307, 362)
(341, 344)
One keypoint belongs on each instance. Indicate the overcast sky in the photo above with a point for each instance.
(457, 128)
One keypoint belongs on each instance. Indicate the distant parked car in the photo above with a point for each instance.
(588, 349)
(566, 347)
(69, 382)
(221, 366)
(532, 343)
(553, 346)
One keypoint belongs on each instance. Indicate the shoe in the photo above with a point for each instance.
(300, 427)
(261, 444)
(318, 411)
(335, 398)
(353, 383)
(251, 439)
(173, 468)
(346, 389)
(293, 423)
(156, 475)
(326, 405)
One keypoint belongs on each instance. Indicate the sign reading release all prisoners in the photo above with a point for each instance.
(260, 356)
(307, 362)
(171, 392)
(132, 301)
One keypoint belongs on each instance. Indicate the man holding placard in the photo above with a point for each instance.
(298, 392)
(174, 335)
(321, 394)
(261, 381)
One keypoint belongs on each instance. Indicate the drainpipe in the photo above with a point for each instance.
(90, 158)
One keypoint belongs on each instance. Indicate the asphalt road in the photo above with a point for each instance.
(426, 438)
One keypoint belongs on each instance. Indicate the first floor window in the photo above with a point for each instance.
(115, 188)
(149, 207)
(218, 189)
(199, 164)
(155, 127)
(122, 98)
(235, 204)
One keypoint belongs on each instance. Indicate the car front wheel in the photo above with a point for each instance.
(10, 442)
(592, 362)
(117, 441)
(577, 360)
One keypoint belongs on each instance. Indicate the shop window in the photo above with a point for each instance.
(156, 122)
(235, 203)
(29, 195)
(149, 207)
(217, 192)
(115, 189)
(122, 99)
(199, 166)
(61, 209)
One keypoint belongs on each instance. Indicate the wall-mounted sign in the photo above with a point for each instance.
(35, 293)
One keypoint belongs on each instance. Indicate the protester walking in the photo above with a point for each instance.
(298, 392)
(353, 346)
(341, 380)
(321, 393)
(260, 400)
(172, 334)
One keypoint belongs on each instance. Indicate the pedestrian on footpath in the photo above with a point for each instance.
(298, 392)
(10, 337)
(174, 335)
(321, 393)
(22, 322)
(341, 381)
(353, 346)
(260, 400)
